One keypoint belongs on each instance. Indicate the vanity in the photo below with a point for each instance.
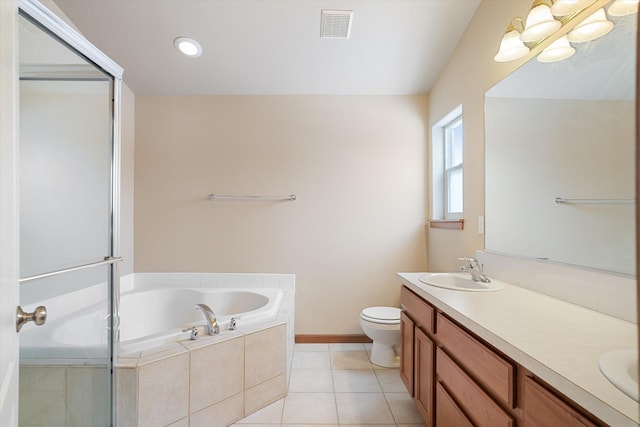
(509, 358)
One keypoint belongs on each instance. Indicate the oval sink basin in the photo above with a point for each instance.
(620, 367)
(458, 282)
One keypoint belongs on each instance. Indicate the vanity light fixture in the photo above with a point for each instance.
(568, 7)
(557, 51)
(188, 46)
(511, 47)
(540, 23)
(623, 7)
(595, 26)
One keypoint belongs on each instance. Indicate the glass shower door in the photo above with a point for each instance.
(66, 233)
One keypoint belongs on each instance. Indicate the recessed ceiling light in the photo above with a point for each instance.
(188, 46)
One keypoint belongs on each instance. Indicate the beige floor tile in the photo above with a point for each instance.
(390, 380)
(350, 360)
(271, 414)
(311, 380)
(311, 360)
(310, 408)
(356, 380)
(403, 408)
(363, 408)
(346, 347)
(311, 347)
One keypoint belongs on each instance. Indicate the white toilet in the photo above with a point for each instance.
(382, 325)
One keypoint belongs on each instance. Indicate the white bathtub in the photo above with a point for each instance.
(153, 317)
(148, 318)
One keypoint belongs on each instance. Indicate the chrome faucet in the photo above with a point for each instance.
(475, 269)
(212, 323)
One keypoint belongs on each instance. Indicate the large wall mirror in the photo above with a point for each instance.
(566, 130)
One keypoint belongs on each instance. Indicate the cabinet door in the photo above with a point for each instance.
(543, 409)
(406, 353)
(423, 378)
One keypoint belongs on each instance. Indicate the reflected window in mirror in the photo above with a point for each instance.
(447, 169)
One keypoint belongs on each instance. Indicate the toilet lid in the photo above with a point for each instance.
(382, 314)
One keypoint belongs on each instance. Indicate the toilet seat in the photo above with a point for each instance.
(381, 315)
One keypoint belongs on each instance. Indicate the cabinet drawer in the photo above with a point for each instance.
(543, 409)
(470, 396)
(449, 414)
(488, 368)
(421, 312)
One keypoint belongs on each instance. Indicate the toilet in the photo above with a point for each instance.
(382, 325)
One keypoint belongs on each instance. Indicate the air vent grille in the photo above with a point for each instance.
(336, 24)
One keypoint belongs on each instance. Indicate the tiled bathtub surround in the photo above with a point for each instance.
(215, 380)
(211, 382)
(607, 293)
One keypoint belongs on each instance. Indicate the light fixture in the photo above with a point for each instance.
(188, 46)
(568, 7)
(596, 25)
(540, 22)
(623, 7)
(557, 51)
(511, 46)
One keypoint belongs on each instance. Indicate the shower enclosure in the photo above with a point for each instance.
(69, 187)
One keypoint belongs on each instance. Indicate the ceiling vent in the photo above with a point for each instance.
(336, 24)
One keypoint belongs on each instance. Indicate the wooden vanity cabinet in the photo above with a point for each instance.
(456, 379)
(417, 352)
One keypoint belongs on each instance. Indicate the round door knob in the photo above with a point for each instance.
(39, 317)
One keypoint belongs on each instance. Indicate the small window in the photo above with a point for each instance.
(447, 169)
(453, 169)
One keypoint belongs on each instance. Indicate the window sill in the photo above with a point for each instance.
(449, 224)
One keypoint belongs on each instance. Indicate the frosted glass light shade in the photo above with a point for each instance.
(567, 7)
(596, 25)
(557, 51)
(511, 47)
(540, 24)
(623, 7)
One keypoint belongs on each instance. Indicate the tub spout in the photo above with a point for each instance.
(212, 323)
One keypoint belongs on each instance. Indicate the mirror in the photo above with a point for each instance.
(566, 130)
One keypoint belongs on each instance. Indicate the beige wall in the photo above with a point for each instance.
(470, 71)
(356, 164)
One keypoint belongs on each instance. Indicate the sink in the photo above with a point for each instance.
(620, 367)
(458, 282)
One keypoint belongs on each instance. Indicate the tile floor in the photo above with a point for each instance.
(336, 385)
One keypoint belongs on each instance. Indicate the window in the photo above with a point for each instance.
(453, 169)
(447, 171)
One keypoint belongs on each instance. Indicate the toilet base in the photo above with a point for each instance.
(384, 355)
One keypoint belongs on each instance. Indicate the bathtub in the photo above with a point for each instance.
(157, 316)
(148, 318)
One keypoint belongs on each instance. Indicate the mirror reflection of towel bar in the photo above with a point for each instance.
(291, 197)
(562, 200)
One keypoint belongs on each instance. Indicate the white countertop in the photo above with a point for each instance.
(555, 340)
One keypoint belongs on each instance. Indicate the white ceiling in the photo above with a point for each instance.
(270, 47)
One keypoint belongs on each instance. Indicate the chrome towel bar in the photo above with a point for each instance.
(562, 200)
(291, 197)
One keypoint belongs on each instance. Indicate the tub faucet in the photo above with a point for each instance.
(212, 323)
(475, 269)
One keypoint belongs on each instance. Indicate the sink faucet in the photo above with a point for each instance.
(212, 323)
(475, 269)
